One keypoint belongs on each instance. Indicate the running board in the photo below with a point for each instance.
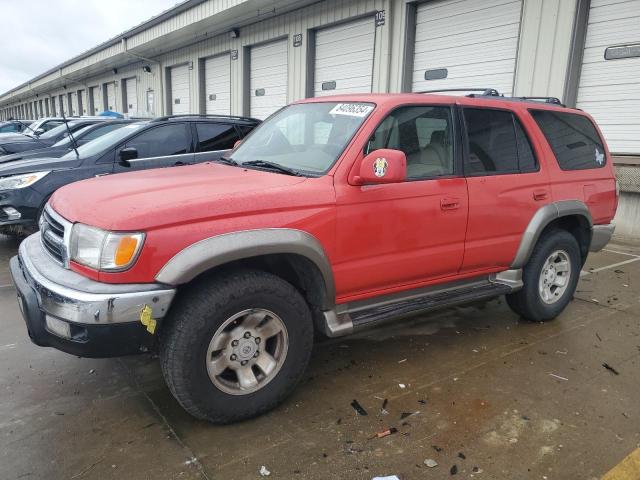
(347, 318)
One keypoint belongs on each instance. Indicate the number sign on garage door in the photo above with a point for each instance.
(610, 89)
(466, 44)
(180, 90)
(131, 95)
(268, 78)
(217, 85)
(344, 58)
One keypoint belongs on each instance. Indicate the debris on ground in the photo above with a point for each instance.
(264, 472)
(422, 401)
(562, 352)
(462, 456)
(559, 377)
(387, 432)
(384, 410)
(390, 477)
(598, 336)
(617, 270)
(403, 360)
(358, 408)
(453, 470)
(92, 371)
(611, 369)
(436, 448)
(476, 470)
(404, 415)
(402, 385)
(431, 463)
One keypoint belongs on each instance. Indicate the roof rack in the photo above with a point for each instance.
(202, 115)
(489, 92)
(554, 100)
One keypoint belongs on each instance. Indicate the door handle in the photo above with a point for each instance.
(449, 203)
(540, 194)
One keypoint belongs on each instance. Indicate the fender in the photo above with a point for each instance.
(543, 217)
(220, 249)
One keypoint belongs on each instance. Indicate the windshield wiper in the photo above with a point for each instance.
(273, 166)
(227, 161)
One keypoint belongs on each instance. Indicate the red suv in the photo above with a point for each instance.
(335, 214)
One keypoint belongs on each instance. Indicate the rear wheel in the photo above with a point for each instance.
(236, 345)
(550, 278)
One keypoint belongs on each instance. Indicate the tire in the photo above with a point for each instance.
(201, 313)
(529, 302)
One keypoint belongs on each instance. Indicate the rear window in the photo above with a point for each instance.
(573, 139)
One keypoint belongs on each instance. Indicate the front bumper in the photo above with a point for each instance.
(600, 236)
(103, 320)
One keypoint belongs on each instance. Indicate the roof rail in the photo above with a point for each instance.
(491, 92)
(554, 100)
(202, 115)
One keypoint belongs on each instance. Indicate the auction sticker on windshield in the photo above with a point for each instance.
(352, 109)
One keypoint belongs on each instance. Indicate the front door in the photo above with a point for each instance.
(163, 146)
(396, 236)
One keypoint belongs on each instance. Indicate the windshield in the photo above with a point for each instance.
(104, 142)
(54, 132)
(306, 137)
(67, 141)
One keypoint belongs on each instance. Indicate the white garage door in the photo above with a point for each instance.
(610, 89)
(111, 97)
(344, 58)
(131, 92)
(74, 103)
(82, 104)
(268, 78)
(95, 96)
(217, 85)
(180, 92)
(472, 43)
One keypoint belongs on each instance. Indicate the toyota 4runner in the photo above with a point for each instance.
(335, 214)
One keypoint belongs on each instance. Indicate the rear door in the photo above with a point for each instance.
(212, 140)
(506, 186)
(162, 146)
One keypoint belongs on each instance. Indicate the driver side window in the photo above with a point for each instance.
(424, 134)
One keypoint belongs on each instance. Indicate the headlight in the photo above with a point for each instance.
(21, 181)
(102, 250)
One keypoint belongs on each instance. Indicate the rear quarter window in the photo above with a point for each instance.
(573, 139)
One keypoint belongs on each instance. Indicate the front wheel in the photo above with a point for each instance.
(550, 278)
(236, 345)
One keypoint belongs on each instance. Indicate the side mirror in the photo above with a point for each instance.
(126, 154)
(382, 166)
(39, 131)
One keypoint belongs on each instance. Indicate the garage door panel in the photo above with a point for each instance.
(467, 38)
(612, 33)
(269, 75)
(493, 52)
(444, 9)
(218, 83)
(180, 90)
(344, 55)
(475, 40)
(131, 87)
(602, 12)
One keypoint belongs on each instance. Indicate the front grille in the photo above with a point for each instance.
(52, 236)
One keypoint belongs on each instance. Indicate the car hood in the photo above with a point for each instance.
(35, 165)
(38, 153)
(177, 195)
(16, 138)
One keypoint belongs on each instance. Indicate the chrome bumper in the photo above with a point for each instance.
(69, 296)
(600, 236)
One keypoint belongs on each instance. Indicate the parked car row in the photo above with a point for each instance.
(333, 215)
(97, 147)
(14, 126)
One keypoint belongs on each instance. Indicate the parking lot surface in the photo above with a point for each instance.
(474, 389)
